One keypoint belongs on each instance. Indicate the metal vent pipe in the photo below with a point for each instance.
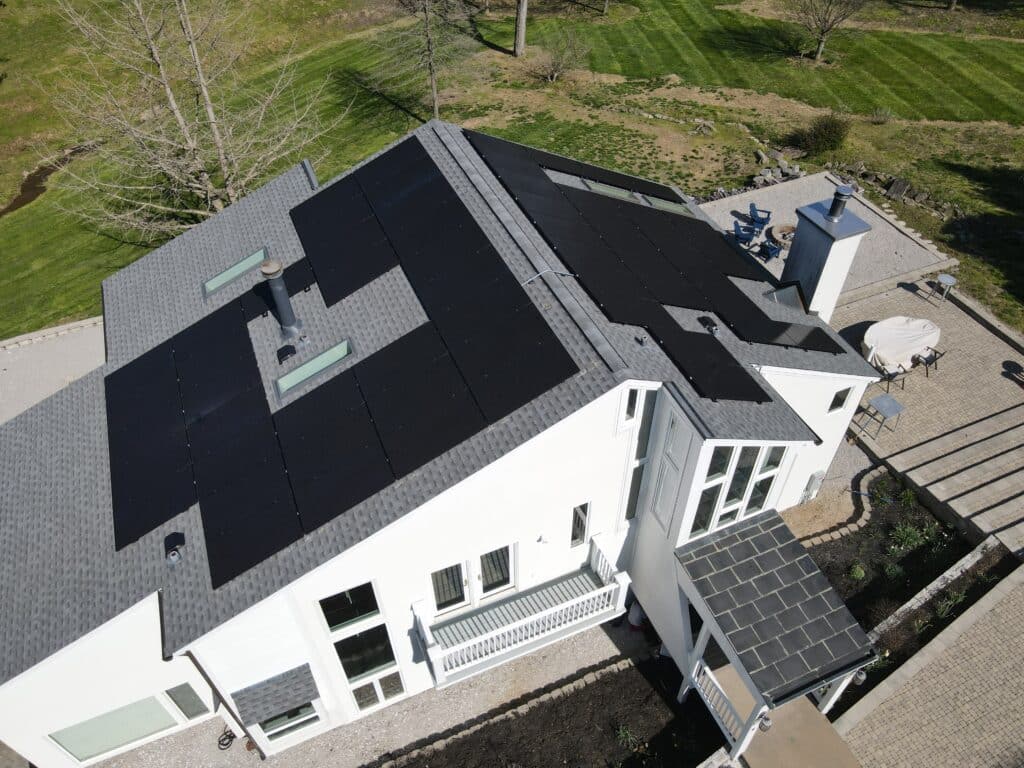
(273, 272)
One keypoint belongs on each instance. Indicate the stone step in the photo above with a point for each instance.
(927, 451)
(989, 497)
(959, 459)
(978, 475)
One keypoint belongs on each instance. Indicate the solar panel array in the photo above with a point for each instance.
(189, 421)
(634, 259)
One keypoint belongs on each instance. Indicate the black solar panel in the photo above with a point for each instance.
(333, 453)
(419, 402)
(342, 240)
(150, 469)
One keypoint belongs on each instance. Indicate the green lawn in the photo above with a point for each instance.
(937, 77)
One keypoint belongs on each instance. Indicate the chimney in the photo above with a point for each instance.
(826, 241)
(291, 326)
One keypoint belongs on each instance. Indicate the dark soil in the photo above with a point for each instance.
(34, 183)
(897, 554)
(921, 626)
(627, 719)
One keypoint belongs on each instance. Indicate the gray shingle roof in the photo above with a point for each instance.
(276, 695)
(789, 627)
(55, 497)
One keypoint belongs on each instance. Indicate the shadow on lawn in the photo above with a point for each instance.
(753, 42)
(995, 238)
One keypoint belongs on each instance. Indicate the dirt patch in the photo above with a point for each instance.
(901, 550)
(34, 183)
(920, 627)
(629, 719)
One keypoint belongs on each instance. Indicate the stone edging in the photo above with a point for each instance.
(512, 713)
(837, 532)
(991, 323)
(891, 685)
(953, 572)
(35, 337)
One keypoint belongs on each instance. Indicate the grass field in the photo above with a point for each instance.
(53, 265)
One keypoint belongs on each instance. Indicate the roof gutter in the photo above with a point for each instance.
(807, 688)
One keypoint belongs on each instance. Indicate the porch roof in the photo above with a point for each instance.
(789, 628)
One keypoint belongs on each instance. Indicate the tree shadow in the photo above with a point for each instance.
(993, 237)
(476, 33)
(352, 83)
(754, 43)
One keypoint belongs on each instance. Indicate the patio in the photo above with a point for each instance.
(960, 438)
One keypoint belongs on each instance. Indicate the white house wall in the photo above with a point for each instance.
(115, 665)
(810, 394)
(525, 499)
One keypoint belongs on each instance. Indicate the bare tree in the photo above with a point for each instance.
(822, 17)
(178, 135)
(951, 6)
(519, 47)
(415, 56)
(566, 52)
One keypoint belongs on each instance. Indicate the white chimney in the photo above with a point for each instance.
(826, 240)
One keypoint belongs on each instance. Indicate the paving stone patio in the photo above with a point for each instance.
(961, 436)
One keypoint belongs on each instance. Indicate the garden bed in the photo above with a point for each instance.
(921, 625)
(629, 719)
(901, 550)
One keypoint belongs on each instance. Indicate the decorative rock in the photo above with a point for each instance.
(762, 158)
(775, 154)
(898, 188)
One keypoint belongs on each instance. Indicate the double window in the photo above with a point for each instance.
(464, 583)
(288, 722)
(363, 646)
(639, 403)
(737, 484)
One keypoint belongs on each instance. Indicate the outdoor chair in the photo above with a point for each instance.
(770, 250)
(890, 376)
(929, 359)
(744, 235)
(759, 217)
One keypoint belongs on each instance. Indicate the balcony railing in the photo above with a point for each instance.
(721, 707)
(482, 639)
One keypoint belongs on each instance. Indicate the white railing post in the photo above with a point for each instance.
(599, 562)
(747, 732)
(435, 654)
(623, 581)
(832, 692)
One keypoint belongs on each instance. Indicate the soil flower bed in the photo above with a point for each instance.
(628, 719)
(901, 550)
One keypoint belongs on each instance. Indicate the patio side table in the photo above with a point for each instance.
(885, 407)
(943, 285)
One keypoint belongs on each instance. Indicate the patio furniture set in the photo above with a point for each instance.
(772, 245)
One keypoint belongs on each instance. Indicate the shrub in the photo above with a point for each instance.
(893, 571)
(908, 498)
(882, 115)
(826, 133)
(857, 572)
(626, 738)
(945, 604)
(905, 536)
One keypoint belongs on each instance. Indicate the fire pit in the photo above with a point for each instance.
(782, 234)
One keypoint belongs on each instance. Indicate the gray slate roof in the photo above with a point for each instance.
(55, 497)
(789, 627)
(276, 695)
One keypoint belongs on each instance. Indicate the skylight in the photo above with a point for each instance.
(311, 368)
(619, 193)
(234, 272)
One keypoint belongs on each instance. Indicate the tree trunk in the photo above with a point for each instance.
(204, 91)
(951, 6)
(820, 49)
(520, 44)
(605, 10)
(431, 63)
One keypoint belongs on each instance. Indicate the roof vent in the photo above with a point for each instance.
(273, 272)
(843, 193)
(174, 543)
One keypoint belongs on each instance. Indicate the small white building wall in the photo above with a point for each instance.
(810, 394)
(115, 665)
(525, 499)
(821, 264)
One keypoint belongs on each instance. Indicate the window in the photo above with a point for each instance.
(631, 401)
(449, 587)
(290, 721)
(579, 525)
(115, 729)
(187, 701)
(839, 401)
(312, 367)
(738, 483)
(234, 272)
(374, 692)
(495, 570)
(634, 491)
(365, 652)
(351, 605)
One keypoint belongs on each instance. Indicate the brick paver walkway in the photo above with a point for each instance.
(961, 437)
(963, 709)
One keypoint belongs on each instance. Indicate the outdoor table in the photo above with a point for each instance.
(896, 341)
(887, 407)
(944, 284)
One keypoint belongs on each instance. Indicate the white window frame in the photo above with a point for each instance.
(585, 536)
(354, 628)
(472, 581)
(846, 400)
(315, 718)
(634, 422)
(742, 505)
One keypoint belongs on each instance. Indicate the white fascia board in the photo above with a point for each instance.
(805, 372)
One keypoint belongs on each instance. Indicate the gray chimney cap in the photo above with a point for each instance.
(271, 268)
(843, 193)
